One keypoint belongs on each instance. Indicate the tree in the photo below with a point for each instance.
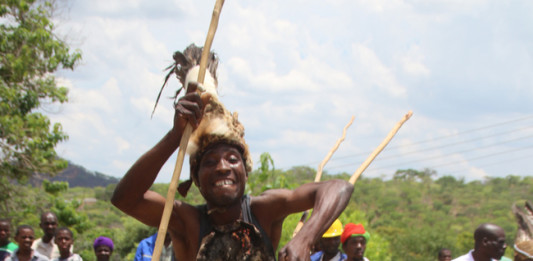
(30, 52)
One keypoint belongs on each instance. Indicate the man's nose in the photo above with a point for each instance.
(223, 165)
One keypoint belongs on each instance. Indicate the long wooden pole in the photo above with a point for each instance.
(163, 226)
(381, 146)
(318, 174)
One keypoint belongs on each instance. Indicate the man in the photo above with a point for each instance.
(103, 248)
(354, 239)
(6, 247)
(146, 248)
(329, 244)
(24, 238)
(445, 254)
(45, 245)
(231, 226)
(489, 244)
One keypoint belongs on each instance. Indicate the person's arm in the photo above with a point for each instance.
(328, 199)
(132, 194)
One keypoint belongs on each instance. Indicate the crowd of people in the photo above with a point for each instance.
(56, 244)
(337, 243)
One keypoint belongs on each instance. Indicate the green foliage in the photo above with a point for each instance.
(266, 177)
(55, 188)
(30, 52)
(409, 217)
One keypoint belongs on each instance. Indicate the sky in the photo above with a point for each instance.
(297, 71)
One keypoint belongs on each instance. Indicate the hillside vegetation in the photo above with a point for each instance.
(410, 216)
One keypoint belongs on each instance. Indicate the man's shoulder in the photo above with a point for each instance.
(10, 247)
(37, 243)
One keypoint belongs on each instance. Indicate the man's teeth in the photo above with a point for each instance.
(224, 182)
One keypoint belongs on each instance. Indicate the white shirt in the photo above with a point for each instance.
(468, 257)
(49, 249)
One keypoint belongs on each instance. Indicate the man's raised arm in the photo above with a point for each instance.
(131, 194)
(329, 199)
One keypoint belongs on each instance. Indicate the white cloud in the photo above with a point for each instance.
(413, 62)
(296, 78)
(375, 73)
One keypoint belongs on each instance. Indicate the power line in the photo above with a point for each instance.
(440, 156)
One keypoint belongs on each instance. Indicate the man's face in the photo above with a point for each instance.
(24, 238)
(354, 248)
(5, 232)
(221, 175)
(103, 253)
(63, 240)
(496, 245)
(330, 245)
(445, 255)
(49, 224)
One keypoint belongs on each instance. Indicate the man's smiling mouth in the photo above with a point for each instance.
(224, 182)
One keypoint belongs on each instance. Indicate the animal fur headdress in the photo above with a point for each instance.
(524, 235)
(218, 125)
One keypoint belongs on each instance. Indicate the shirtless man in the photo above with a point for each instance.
(220, 170)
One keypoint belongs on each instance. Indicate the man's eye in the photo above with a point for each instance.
(209, 162)
(233, 159)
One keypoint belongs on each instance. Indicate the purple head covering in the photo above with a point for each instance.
(103, 241)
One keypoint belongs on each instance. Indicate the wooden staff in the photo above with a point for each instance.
(163, 226)
(381, 146)
(318, 175)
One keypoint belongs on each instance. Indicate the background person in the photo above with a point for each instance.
(445, 254)
(103, 248)
(145, 249)
(489, 244)
(24, 238)
(45, 245)
(329, 244)
(354, 239)
(6, 247)
(64, 239)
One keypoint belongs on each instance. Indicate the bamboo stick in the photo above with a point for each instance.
(381, 146)
(163, 226)
(318, 175)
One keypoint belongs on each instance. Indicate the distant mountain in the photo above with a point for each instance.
(78, 176)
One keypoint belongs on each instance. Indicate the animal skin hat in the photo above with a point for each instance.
(218, 125)
(524, 235)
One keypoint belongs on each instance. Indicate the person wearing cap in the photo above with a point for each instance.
(354, 239)
(329, 244)
(103, 248)
(230, 225)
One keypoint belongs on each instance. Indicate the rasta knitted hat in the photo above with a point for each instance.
(218, 125)
(354, 230)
